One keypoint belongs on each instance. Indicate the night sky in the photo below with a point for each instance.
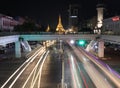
(47, 11)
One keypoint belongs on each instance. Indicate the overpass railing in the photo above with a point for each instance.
(39, 33)
(8, 33)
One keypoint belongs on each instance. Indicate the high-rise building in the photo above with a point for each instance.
(100, 9)
(100, 14)
(73, 15)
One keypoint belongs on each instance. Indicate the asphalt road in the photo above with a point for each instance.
(8, 66)
(20, 69)
(113, 58)
(74, 73)
(51, 71)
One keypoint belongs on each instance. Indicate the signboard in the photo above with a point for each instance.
(116, 18)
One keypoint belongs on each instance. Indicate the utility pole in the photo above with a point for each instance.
(63, 85)
(62, 80)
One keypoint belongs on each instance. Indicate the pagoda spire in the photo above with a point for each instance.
(60, 28)
(48, 28)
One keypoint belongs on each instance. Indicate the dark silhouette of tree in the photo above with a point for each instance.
(26, 27)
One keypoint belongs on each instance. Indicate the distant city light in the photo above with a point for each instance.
(73, 16)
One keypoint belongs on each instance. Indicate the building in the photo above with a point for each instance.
(7, 23)
(100, 9)
(111, 25)
(100, 13)
(73, 20)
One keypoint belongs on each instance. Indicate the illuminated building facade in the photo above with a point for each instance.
(111, 25)
(100, 9)
(7, 23)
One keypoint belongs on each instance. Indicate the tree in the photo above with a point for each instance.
(26, 27)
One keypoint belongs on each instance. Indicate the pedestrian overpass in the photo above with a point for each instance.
(24, 38)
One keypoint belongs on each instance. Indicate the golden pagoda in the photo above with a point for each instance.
(60, 28)
(48, 28)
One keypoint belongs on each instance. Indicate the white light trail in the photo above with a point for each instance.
(75, 76)
(33, 71)
(21, 72)
(39, 73)
(113, 78)
(99, 81)
(17, 70)
(41, 69)
(35, 54)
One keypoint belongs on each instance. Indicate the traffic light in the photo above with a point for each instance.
(81, 42)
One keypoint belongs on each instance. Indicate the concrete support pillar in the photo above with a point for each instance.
(27, 47)
(17, 49)
(101, 48)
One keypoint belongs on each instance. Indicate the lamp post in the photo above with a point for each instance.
(63, 85)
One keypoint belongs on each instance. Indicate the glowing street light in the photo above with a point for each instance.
(72, 41)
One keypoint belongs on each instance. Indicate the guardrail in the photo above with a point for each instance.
(40, 33)
(8, 33)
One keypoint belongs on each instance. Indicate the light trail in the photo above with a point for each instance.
(99, 81)
(112, 76)
(75, 76)
(74, 83)
(33, 70)
(33, 51)
(82, 75)
(21, 73)
(35, 54)
(96, 77)
(41, 70)
(17, 71)
(78, 82)
(104, 64)
(39, 73)
(83, 79)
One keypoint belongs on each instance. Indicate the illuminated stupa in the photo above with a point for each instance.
(60, 28)
(48, 29)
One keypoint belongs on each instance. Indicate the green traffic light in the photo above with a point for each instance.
(81, 42)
